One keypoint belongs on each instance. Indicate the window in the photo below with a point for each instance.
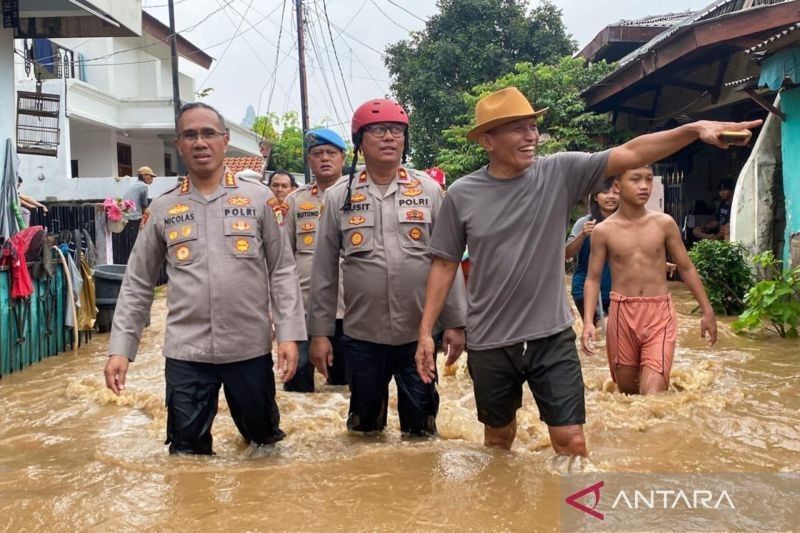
(74, 165)
(124, 160)
(168, 165)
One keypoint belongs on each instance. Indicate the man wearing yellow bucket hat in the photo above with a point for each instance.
(512, 214)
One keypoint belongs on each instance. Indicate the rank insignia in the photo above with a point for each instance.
(362, 178)
(356, 239)
(357, 220)
(145, 218)
(314, 190)
(357, 197)
(308, 226)
(239, 201)
(184, 185)
(412, 191)
(415, 234)
(230, 180)
(308, 240)
(416, 215)
(183, 253)
(186, 231)
(178, 209)
(278, 209)
(402, 174)
(242, 245)
(240, 225)
(307, 206)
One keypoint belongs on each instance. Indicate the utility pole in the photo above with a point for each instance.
(176, 91)
(301, 52)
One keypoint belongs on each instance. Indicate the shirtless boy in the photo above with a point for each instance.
(642, 325)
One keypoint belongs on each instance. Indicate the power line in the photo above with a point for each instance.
(227, 46)
(326, 49)
(390, 19)
(407, 11)
(335, 53)
(314, 48)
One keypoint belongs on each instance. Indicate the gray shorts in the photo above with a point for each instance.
(552, 370)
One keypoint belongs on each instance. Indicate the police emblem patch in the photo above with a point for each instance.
(242, 245)
(412, 191)
(356, 239)
(307, 206)
(240, 225)
(278, 209)
(415, 234)
(183, 253)
(239, 201)
(177, 209)
(308, 226)
(308, 240)
(357, 197)
(415, 215)
(357, 220)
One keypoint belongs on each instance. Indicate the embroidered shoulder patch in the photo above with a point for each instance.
(278, 209)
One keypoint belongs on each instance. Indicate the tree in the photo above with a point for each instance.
(566, 126)
(287, 140)
(468, 42)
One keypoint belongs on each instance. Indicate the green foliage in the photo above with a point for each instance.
(566, 126)
(774, 302)
(287, 138)
(454, 53)
(723, 269)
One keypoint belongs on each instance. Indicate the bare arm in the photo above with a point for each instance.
(652, 147)
(574, 246)
(591, 287)
(440, 279)
(676, 250)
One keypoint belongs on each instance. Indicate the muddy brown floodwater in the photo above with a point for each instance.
(74, 457)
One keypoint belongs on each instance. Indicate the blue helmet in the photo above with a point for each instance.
(320, 136)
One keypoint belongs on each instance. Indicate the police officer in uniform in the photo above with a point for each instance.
(380, 220)
(227, 258)
(325, 156)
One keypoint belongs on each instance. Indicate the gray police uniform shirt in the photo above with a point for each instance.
(228, 257)
(305, 207)
(514, 229)
(383, 238)
(137, 193)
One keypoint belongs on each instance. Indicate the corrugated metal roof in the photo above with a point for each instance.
(766, 42)
(716, 9)
(665, 20)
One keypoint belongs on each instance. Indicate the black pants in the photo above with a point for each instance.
(303, 379)
(193, 395)
(370, 368)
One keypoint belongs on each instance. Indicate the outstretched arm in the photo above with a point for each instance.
(676, 250)
(591, 287)
(652, 147)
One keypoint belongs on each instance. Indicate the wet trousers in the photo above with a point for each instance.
(193, 395)
(370, 368)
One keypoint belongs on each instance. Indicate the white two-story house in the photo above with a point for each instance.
(116, 111)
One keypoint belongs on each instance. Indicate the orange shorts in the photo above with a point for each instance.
(641, 332)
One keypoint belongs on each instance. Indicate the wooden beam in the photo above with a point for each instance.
(715, 93)
(684, 84)
(757, 98)
(634, 111)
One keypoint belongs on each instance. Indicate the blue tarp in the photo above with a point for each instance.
(774, 69)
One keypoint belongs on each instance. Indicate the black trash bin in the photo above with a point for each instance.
(107, 282)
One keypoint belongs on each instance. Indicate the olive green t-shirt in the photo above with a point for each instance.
(515, 230)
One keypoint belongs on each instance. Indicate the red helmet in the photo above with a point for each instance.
(437, 174)
(378, 110)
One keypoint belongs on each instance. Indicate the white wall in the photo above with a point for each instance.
(96, 152)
